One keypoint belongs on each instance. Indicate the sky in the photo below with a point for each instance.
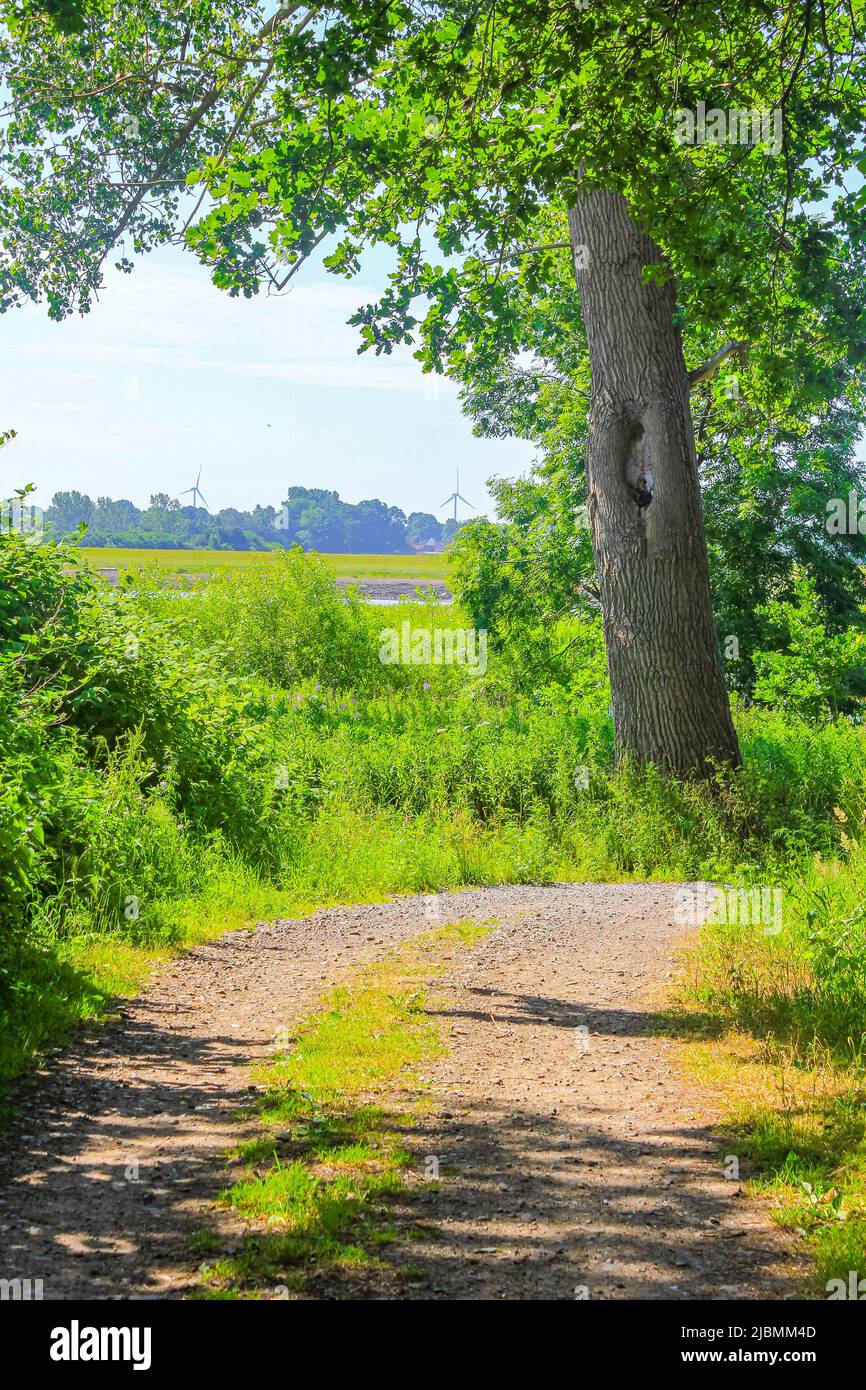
(167, 374)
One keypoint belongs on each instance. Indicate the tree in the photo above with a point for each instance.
(69, 510)
(112, 516)
(66, 15)
(765, 482)
(101, 127)
(263, 520)
(232, 519)
(813, 672)
(422, 527)
(490, 145)
(373, 527)
(534, 566)
(451, 529)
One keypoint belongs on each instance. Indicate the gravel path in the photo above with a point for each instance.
(573, 1160)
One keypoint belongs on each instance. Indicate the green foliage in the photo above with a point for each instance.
(537, 565)
(456, 143)
(766, 492)
(287, 623)
(804, 989)
(422, 527)
(816, 671)
(528, 580)
(39, 594)
(159, 752)
(67, 15)
(26, 775)
(799, 633)
(93, 121)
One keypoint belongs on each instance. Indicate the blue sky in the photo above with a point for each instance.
(167, 373)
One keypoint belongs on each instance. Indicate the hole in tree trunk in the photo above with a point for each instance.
(638, 478)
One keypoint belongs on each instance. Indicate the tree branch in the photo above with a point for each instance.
(528, 251)
(709, 368)
(204, 106)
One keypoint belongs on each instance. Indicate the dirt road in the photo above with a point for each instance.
(573, 1159)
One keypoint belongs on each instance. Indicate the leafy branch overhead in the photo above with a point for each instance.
(456, 134)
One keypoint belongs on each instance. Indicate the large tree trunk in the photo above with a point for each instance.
(670, 705)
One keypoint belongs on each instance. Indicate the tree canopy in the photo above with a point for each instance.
(455, 134)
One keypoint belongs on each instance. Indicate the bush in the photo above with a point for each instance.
(27, 773)
(814, 673)
(286, 622)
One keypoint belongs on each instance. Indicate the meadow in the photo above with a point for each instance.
(196, 562)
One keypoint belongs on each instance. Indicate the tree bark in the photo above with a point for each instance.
(670, 704)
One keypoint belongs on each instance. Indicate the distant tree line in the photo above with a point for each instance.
(314, 518)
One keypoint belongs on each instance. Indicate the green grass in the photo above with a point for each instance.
(336, 1106)
(409, 567)
(346, 855)
(776, 1031)
(48, 997)
(799, 1127)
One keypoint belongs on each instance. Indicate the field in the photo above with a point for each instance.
(418, 567)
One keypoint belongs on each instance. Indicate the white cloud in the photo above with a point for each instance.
(182, 323)
(262, 392)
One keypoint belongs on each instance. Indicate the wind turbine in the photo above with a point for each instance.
(195, 490)
(456, 496)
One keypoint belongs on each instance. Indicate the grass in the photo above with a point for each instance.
(794, 1104)
(403, 803)
(410, 567)
(336, 1105)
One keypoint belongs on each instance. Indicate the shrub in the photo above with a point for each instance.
(285, 622)
(814, 672)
